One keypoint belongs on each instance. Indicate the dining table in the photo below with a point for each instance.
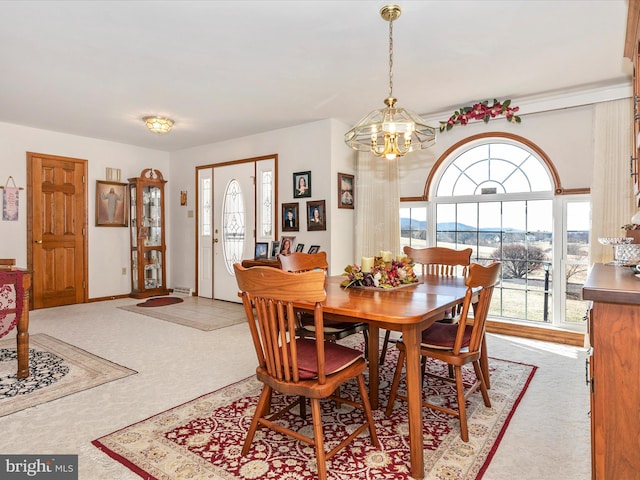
(408, 309)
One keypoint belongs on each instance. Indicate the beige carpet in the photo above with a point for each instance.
(195, 312)
(56, 369)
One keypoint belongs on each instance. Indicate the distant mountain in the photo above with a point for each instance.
(449, 226)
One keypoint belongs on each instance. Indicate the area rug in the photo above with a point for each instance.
(56, 369)
(195, 312)
(160, 302)
(203, 438)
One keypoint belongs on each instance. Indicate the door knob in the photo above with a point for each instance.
(37, 241)
(215, 240)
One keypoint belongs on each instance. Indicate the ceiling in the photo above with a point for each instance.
(226, 69)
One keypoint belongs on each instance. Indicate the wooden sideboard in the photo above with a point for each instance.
(614, 373)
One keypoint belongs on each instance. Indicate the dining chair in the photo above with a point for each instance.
(435, 261)
(300, 367)
(457, 345)
(334, 330)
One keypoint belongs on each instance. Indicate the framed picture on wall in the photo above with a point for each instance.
(345, 190)
(301, 184)
(290, 217)
(316, 215)
(111, 204)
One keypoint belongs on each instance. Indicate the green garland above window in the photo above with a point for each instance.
(482, 111)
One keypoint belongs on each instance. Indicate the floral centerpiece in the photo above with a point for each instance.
(382, 275)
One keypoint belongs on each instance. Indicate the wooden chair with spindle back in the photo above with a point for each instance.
(334, 330)
(436, 261)
(301, 367)
(457, 345)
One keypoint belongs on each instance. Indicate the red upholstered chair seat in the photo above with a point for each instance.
(336, 358)
(443, 336)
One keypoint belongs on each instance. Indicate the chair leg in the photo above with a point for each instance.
(483, 385)
(462, 408)
(395, 383)
(385, 345)
(318, 439)
(261, 410)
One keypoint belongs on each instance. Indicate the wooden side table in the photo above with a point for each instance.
(262, 262)
(21, 280)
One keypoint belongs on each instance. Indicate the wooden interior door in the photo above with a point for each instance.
(56, 229)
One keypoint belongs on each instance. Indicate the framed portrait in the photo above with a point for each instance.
(287, 245)
(300, 247)
(275, 246)
(345, 190)
(301, 184)
(290, 217)
(111, 204)
(316, 215)
(262, 250)
(314, 249)
(183, 198)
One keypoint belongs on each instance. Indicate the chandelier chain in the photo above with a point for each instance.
(391, 57)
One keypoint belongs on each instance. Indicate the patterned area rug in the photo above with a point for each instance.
(217, 314)
(203, 438)
(56, 369)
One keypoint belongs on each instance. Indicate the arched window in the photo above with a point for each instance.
(497, 194)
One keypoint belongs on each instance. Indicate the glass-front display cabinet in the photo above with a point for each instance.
(148, 249)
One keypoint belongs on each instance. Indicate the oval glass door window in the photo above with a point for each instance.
(233, 225)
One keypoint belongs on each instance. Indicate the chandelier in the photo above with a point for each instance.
(158, 124)
(392, 131)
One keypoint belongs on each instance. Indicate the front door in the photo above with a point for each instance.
(56, 229)
(233, 225)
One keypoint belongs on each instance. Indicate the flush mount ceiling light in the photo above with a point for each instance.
(392, 131)
(158, 124)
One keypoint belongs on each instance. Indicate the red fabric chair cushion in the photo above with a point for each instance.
(337, 357)
(443, 336)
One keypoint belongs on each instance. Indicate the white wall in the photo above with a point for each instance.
(108, 246)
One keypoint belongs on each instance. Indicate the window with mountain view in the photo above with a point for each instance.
(497, 198)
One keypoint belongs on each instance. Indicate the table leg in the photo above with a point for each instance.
(411, 338)
(22, 339)
(374, 366)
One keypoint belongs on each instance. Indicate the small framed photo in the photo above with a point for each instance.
(183, 198)
(300, 247)
(275, 246)
(286, 245)
(316, 215)
(262, 250)
(314, 248)
(301, 184)
(290, 217)
(345, 190)
(111, 204)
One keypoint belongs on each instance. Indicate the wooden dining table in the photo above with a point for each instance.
(409, 310)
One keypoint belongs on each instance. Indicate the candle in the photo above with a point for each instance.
(366, 264)
(386, 256)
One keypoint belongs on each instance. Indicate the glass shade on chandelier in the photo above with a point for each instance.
(158, 124)
(392, 131)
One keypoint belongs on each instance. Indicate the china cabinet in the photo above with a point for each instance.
(148, 249)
